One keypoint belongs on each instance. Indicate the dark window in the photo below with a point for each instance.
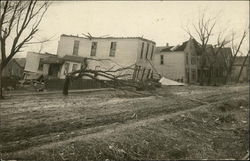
(66, 67)
(74, 68)
(162, 59)
(147, 51)
(187, 59)
(76, 47)
(142, 49)
(112, 49)
(152, 52)
(93, 49)
(40, 66)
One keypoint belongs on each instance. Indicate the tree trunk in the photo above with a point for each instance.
(241, 69)
(1, 92)
(66, 86)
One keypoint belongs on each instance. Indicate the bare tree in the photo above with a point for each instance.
(204, 31)
(235, 52)
(19, 23)
(241, 68)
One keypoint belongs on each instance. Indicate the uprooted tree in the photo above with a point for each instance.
(119, 78)
(19, 23)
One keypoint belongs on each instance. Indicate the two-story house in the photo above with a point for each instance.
(178, 62)
(103, 54)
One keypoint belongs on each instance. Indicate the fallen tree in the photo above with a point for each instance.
(119, 78)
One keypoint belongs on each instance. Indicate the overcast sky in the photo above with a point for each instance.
(160, 21)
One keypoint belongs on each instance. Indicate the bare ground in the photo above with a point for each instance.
(171, 123)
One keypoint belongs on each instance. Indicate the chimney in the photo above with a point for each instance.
(167, 45)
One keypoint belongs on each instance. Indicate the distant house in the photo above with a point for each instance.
(183, 62)
(240, 62)
(178, 62)
(15, 68)
(103, 53)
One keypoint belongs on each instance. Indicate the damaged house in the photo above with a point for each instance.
(102, 53)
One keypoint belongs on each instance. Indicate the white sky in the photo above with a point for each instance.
(160, 21)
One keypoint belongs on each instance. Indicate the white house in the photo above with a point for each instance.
(179, 62)
(103, 54)
(34, 67)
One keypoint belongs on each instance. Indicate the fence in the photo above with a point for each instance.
(57, 84)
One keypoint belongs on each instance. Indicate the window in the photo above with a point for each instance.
(162, 59)
(74, 68)
(147, 50)
(40, 66)
(187, 59)
(193, 60)
(76, 47)
(193, 75)
(93, 49)
(152, 52)
(142, 48)
(112, 49)
(66, 68)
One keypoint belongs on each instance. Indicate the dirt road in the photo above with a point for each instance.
(109, 125)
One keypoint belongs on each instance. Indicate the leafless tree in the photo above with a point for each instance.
(236, 49)
(19, 23)
(203, 31)
(242, 66)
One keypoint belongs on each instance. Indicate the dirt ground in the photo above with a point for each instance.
(178, 122)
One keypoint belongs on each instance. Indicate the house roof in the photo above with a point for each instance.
(73, 58)
(109, 37)
(167, 49)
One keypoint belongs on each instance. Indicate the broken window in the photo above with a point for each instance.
(147, 50)
(40, 66)
(152, 52)
(76, 47)
(112, 49)
(93, 49)
(66, 68)
(142, 49)
(162, 59)
(74, 68)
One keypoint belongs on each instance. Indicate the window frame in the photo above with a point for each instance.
(93, 48)
(142, 50)
(76, 47)
(112, 50)
(161, 59)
